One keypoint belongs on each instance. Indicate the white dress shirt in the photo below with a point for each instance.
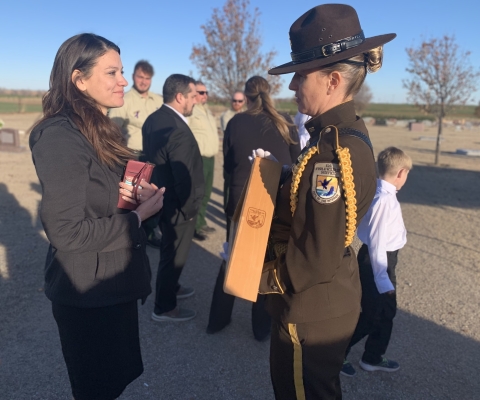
(300, 120)
(180, 115)
(382, 230)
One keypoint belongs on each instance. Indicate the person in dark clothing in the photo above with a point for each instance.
(321, 201)
(261, 125)
(97, 267)
(169, 143)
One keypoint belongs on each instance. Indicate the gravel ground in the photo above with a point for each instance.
(436, 333)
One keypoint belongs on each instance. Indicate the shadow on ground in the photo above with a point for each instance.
(440, 186)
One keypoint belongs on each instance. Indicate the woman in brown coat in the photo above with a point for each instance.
(319, 205)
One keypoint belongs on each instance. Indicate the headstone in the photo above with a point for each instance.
(10, 140)
(417, 127)
(469, 152)
(430, 138)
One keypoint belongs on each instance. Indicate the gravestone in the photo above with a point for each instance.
(416, 127)
(10, 140)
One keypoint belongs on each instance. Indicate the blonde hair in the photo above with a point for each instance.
(355, 69)
(391, 160)
(257, 91)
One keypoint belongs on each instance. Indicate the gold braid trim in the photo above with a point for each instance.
(297, 172)
(346, 172)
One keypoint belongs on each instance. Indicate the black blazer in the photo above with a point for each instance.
(97, 253)
(169, 143)
(246, 132)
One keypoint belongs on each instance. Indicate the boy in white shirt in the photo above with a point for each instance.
(383, 233)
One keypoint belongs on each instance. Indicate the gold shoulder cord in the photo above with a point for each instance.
(346, 172)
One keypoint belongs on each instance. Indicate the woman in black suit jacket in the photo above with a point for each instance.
(96, 267)
(261, 126)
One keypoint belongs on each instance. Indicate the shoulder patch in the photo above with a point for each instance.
(325, 183)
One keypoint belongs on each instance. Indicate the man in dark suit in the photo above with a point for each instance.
(169, 143)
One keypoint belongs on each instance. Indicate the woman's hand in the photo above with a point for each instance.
(145, 190)
(152, 205)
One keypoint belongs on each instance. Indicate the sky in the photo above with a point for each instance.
(163, 32)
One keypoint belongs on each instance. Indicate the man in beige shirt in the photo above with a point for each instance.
(204, 128)
(139, 104)
(237, 103)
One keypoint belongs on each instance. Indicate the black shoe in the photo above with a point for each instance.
(347, 369)
(200, 236)
(153, 241)
(211, 330)
(208, 229)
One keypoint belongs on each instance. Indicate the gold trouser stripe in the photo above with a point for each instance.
(297, 362)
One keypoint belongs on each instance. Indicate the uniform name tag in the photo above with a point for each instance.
(325, 183)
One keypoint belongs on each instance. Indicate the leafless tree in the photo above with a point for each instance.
(363, 98)
(441, 77)
(232, 53)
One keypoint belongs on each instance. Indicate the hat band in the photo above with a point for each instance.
(328, 50)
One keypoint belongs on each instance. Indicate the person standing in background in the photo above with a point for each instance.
(170, 145)
(261, 125)
(237, 103)
(204, 128)
(383, 234)
(139, 104)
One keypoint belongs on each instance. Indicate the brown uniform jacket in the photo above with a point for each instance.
(321, 275)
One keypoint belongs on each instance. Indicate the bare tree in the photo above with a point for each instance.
(232, 54)
(363, 98)
(441, 78)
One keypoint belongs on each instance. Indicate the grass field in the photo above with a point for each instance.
(14, 104)
(398, 111)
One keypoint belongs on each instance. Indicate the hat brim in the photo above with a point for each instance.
(367, 45)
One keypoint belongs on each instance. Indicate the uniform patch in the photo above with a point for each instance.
(325, 183)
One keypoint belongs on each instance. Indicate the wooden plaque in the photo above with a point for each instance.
(250, 228)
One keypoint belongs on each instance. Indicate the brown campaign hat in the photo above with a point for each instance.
(327, 34)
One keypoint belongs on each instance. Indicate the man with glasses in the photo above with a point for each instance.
(204, 128)
(237, 103)
(138, 104)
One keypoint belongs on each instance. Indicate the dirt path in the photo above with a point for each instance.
(436, 336)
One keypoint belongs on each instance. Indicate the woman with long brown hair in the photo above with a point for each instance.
(96, 268)
(261, 125)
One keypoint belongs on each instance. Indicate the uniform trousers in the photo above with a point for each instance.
(306, 358)
(378, 310)
(175, 245)
(222, 306)
(208, 169)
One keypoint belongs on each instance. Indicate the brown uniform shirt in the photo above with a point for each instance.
(322, 276)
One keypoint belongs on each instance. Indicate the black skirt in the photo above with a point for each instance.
(101, 348)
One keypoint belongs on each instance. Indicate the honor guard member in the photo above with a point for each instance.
(312, 279)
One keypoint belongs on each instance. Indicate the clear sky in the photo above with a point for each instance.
(163, 32)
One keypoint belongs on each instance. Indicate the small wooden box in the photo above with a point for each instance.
(250, 228)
